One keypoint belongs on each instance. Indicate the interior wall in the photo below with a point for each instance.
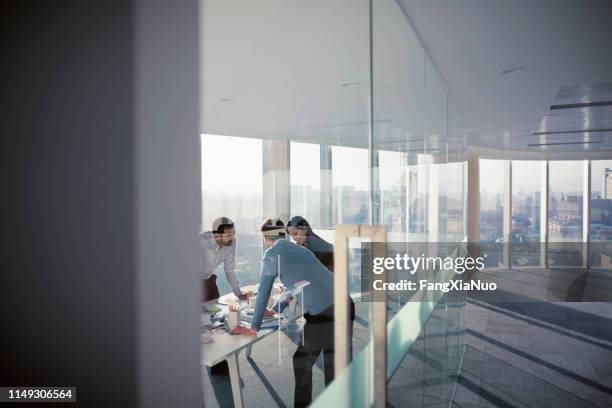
(67, 280)
(101, 199)
(168, 203)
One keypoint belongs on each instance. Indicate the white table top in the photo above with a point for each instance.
(225, 344)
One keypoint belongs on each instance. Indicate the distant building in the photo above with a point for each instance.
(608, 184)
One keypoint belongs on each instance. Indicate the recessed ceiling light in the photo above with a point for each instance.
(349, 84)
(227, 100)
(511, 70)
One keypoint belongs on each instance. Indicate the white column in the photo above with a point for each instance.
(507, 214)
(544, 199)
(586, 212)
(473, 197)
(327, 201)
(167, 204)
(276, 181)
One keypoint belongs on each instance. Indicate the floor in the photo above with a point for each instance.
(536, 354)
(516, 354)
(268, 375)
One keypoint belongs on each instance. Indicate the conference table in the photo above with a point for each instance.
(225, 346)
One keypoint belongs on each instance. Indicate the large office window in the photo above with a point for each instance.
(350, 185)
(392, 204)
(450, 201)
(417, 202)
(491, 200)
(600, 232)
(565, 212)
(305, 177)
(492, 179)
(232, 187)
(526, 193)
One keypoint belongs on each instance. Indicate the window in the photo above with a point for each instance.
(232, 187)
(350, 185)
(492, 178)
(565, 212)
(526, 187)
(306, 182)
(600, 232)
(390, 182)
(450, 202)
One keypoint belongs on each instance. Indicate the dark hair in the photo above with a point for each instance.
(221, 224)
(273, 228)
(299, 222)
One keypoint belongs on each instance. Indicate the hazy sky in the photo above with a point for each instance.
(234, 165)
(231, 164)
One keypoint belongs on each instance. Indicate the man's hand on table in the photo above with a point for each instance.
(244, 330)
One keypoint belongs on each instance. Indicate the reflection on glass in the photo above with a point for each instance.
(390, 184)
(491, 178)
(450, 202)
(350, 185)
(306, 182)
(491, 200)
(236, 194)
(526, 185)
(565, 212)
(600, 232)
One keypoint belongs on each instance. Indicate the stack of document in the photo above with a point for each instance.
(246, 317)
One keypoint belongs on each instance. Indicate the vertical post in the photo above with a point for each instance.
(378, 332)
(473, 197)
(341, 291)
(276, 181)
(326, 186)
(544, 201)
(586, 213)
(507, 214)
(433, 200)
(371, 151)
(404, 192)
(375, 186)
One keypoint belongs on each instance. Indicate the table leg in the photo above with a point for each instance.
(248, 351)
(234, 372)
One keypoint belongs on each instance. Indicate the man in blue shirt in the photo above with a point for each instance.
(293, 263)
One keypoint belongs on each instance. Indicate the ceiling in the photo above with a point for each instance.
(563, 45)
(300, 70)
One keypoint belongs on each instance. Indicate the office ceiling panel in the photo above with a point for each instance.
(543, 46)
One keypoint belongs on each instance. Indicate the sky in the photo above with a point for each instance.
(234, 164)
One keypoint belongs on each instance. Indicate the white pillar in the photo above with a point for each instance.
(586, 212)
(276, 181)
(473, 198)
(507, 214)
(544, 199)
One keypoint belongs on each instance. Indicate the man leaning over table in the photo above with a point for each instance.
(219, 247)
(296, 264)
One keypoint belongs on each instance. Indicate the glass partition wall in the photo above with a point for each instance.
(342, 124)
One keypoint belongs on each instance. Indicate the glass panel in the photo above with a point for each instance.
(306, 182)
(237, 195)
(450, 202)
(600, 231)
(491, 176)
(526, 186)
(392, 202)
(419, 184)
(350, 185)
(565, 213)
